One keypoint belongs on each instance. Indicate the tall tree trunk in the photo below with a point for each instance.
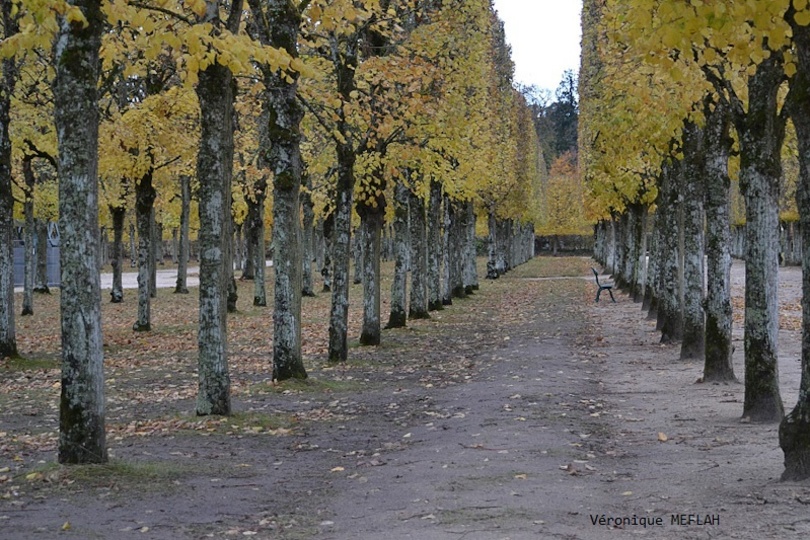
(254, 221)
(469, 271)
(279, 28)
(372, 223)
(397, 315)
(133, 250)
(447, 288)
(694, 168)
(718, 347)
(761, 132)
(43, 245)
(30, 251)
(118, 214)
(345, 66)
(434, 247)
(82, 436)
(492, 245)
(308, 238)
(357, 255)
(214, 171)
(230, 249)
(8, 338)
(419, 305)
(458, 234)
(670, 318)
(144, 206)
(257, 256)
(794, 430)
(181, 286)
(152, 253)
(328, 226)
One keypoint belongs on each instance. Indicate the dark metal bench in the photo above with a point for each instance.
(607, 287)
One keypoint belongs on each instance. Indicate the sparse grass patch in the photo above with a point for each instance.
(20, 363)
(131, 475)
(310, 385)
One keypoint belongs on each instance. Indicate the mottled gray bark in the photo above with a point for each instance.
(761, 133)
(118, 214)
(308, 239)
(419, 307)
(256, 263)
(41, 285)
(152, 253)
(397, 314)
(371, 227)
(8, 338)
(469, 270)
(670, 319)
(794, 431)
(457, 244)
(357, 256)
(345, 64)
(81, 408)
(492, 245)
(133, 249)
(214, 170)
(650, 303)
(692, 187)
(434, 247)
(145, 195)
(181, 286)
(328, 248)
(278, 27)
(446, 286)
(718, 347)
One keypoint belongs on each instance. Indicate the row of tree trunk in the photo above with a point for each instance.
(693, 190)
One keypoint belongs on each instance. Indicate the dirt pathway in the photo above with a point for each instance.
(530, 413)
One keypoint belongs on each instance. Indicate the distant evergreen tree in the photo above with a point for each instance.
(556, 123)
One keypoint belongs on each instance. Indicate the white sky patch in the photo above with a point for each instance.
(545, 38)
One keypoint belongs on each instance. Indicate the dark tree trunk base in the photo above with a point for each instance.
(26, 312)
(766, 411)
(396, 320)
(180, 290)
(116, 297)
(42, 290)
(794, 438)
(310, 294)
(435, 306)
(415, 315)
(259, 301)
(369, 339)
(137, 327)
(287, 373)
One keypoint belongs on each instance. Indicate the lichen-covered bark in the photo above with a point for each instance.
(694, 326)
(308, 239)
(145, 195)
(446, 287)
(794, 430)
(419, 306)
(214, 170)
(118, 214)
(470, 271)
(492, 246)
(81, 407)
(761, 133)
(181, 286)
(397, 313)
(345, 64)
(41, 280)
(256, 259)
(371, 226)
(8, 338)
(670, 320)
(718, 348)
(458, 233)
(434, 247)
